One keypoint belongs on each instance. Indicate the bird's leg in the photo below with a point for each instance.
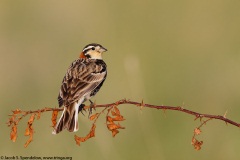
(91, 107)
(81, 108)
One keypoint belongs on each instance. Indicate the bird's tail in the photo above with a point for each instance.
(68, 119)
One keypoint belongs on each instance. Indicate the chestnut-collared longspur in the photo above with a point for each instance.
(82, 81)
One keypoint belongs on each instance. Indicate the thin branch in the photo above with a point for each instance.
(178, 108)
(115, 116)
(124, 101)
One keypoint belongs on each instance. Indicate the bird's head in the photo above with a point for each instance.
(93, 51)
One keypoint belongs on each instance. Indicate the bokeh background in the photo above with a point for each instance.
(176, 52)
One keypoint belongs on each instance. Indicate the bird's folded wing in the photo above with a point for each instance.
(81, 79)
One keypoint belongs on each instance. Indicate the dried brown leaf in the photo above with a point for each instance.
(54, 118)
(114, 113)
(89, 135)
(11, 120)
(77, 139)
(197, 131)
(118, 118)
(114, 126)
(31, 119)
(196, 144)
(29, 140)
(92, 131)
(117, 111)
(13, 134)
(109, 119)
(27, 132)
(114, 132)
(94, 116)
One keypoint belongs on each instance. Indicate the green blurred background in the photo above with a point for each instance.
(170, 52)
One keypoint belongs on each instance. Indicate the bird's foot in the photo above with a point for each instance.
(81, 108)
(92, 106)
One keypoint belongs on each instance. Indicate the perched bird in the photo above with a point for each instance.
(82, 81)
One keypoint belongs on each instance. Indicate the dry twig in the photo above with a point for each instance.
(112, 116)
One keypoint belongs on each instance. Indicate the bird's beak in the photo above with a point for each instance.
(102, 49)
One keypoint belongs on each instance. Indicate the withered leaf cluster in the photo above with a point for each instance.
(91, 132)
(111, 120)
(18, 114)
(88, 136)
(13, 122)
(196, 144)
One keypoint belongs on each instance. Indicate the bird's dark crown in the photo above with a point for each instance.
(90, 46)
(93, 44)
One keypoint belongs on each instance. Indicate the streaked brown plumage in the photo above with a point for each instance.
(83, 80)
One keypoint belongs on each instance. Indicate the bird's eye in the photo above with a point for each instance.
(93, 48)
